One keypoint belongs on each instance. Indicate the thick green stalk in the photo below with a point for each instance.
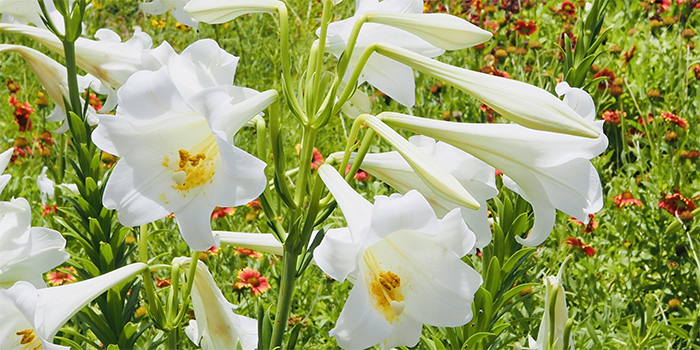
(305, 155)
(71, 68)
(289, 272)
(154, 304)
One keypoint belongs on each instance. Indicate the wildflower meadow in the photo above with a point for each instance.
(325, 174)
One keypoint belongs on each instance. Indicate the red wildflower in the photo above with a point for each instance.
(45, 138)
(696, 70)
(672, 118)
(63, 275)
(567, 10)
(220, 212)
(249, 278)
(316, 159)
(254, 204)
(641, 120)
(490, 113)
(22, 150)
(577, 243)
(495, 71)
(22, 112)
(626, 199)
(12, 86)
(592, 224)
(613, 117)
(94, 101)
(247, 252)
(692, 154)
(525, 28)
(491, 26)
(676, 203)
(360, 175)
(160, 283)
(213, 250)
(48, 209)
(609, 78)
(664, 5)
(498, 173)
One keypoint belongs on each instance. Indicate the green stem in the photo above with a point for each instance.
(172, 339)
(173, 300)
(352, 81)
(154, 304)
(188, 289)
(360, 155)
(350, 46)
(305, 155)
(71, 68)
(286, 65)
(289, 271)
(325, 19)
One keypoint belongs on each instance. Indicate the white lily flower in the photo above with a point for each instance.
(520, 102)
(6, 207)
(54, 78)
(28, 11)
(477, 177)
(27, 252)
(176, 8)
(216, 325)
(406, 266)
(173, 131)
(31, 317)
(549, 170)
(220, 11)
(108, 58)
(391, 77)
(4, 161)
(554, 292)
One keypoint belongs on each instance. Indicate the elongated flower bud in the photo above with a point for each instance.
(220, 11)
(522, 103)
(433, 174)
(442, 30)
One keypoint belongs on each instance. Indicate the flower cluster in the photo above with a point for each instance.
(626, 199)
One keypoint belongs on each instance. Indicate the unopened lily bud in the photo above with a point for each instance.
(522, 103)
(442, 30)
(220, 11)
(440, 181)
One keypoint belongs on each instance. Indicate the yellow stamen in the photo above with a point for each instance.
(194, 169)
(385, 288)
(29, 339)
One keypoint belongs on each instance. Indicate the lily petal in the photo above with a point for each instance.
(355, 208)
(551, 170)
